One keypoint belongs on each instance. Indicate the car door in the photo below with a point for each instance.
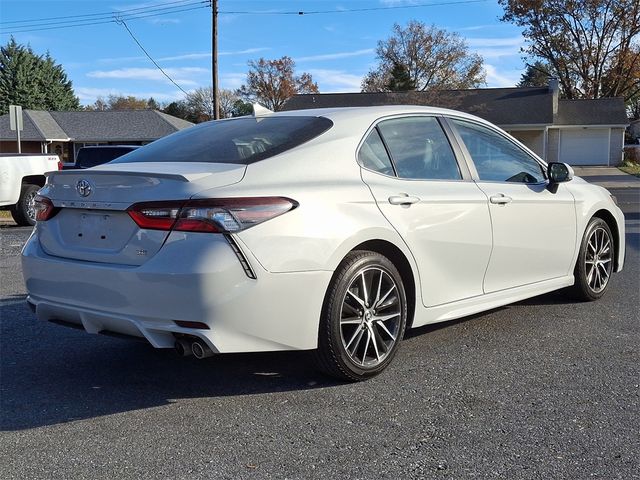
(443, 217)
(534, 227)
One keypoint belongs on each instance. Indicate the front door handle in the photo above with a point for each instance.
(403, 199)
(501, 199)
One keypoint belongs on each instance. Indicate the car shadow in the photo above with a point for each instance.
(51, 374)
(558, 297)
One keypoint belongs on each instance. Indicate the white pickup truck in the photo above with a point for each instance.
(21, 176)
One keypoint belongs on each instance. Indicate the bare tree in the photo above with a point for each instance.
(590, 45)
(429, 57)
(272, 82)
(200, 103)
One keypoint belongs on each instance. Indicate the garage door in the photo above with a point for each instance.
(585, 146)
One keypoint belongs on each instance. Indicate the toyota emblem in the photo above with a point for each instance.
(83, 187)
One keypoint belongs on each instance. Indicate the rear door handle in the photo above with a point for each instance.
(500, 199)
(403, 199)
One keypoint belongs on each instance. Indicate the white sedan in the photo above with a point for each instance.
(331, 230)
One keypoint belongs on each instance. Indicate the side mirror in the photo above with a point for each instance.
(559, 172)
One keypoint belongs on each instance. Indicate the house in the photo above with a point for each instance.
(578, 132)
(64, 133)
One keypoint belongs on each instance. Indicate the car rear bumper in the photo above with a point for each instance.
(194, 277)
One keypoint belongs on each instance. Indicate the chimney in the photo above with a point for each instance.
(554, 88)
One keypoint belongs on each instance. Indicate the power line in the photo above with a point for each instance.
(345, 10)
(114, 19)
(123, 12)
(124, 24)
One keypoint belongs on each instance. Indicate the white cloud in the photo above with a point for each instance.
(335, 56)
(186, 56)
(88, 95)
(336, 80)
(163, 21)
(232, 80)
(183, 75)
(496, 47)
(500, 79)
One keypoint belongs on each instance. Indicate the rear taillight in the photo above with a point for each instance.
(155, 215)
(44, 208)
(220, 215)
(59, 165)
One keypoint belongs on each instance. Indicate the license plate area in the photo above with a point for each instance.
(107, 231)
(94, 230)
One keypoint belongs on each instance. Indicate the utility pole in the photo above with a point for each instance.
(214, 59)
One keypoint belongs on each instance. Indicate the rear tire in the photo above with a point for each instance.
(363, 317)
(595, 261)
(23, 212)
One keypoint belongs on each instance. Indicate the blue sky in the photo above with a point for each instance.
(336, 48)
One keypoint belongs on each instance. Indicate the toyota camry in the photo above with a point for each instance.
(331, 230)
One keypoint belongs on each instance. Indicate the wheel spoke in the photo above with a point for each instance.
(356, 298)
(351, 308)
(375, 343)
(366, 347)
(392, 301)
(590, 274)
(384, 327)
(351, 321)
(377, 300)
(364, 289)
(357, 334)
(384, 318)
(384, 297)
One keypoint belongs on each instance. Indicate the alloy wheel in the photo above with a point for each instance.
(370, 318)
(598, 262)
(30, 205)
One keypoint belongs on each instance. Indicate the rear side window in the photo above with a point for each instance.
(420, 149)
(239, 141)
(373, 155)
(496, 158)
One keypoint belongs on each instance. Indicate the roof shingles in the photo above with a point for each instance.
(94, 126)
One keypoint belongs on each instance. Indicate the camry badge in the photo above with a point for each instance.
(83, 187)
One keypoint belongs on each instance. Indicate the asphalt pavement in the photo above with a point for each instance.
(546, 388)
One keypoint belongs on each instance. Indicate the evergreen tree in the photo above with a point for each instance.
(33, 81)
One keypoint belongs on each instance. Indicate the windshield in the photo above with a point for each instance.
(240, 141)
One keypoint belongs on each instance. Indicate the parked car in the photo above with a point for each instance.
(21, 176)
(89, 157)
(332, 230)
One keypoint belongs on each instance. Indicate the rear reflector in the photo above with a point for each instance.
(217, 215)
(187, 324)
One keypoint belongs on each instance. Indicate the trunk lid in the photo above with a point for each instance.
(93, 224)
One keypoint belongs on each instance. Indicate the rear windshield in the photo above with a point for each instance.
(240, 140)
(90, 157)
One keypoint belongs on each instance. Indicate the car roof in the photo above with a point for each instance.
(375, 112)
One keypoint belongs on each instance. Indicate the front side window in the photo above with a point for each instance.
(496, 158)
(420, 149)
(240, 140)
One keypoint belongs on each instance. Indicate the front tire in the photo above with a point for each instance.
(595, 261)
(363, 317)
(24, 212)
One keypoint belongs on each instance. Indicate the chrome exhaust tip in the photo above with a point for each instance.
(200, 350)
